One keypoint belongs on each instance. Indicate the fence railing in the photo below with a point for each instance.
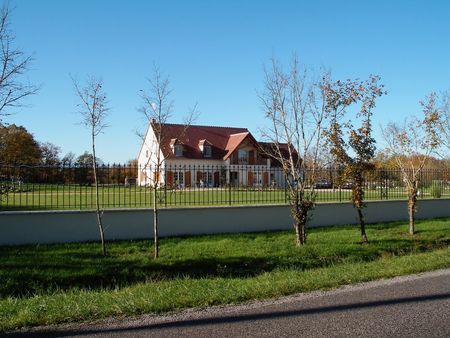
(71, 187)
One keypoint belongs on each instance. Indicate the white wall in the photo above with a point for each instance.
(148, 158)
(74, 226)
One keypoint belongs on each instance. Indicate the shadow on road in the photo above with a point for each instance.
(229, 319)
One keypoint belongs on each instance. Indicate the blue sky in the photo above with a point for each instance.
(213, 52)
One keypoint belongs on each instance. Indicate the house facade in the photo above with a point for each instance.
(205, 156)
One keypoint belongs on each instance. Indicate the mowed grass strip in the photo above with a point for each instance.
(53, 284)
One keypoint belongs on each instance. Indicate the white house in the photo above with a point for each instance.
(207, 156)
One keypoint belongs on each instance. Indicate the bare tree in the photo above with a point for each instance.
(93, 109)
(68, 159)
(14, 64)
(157, 108)
(50, 154)
(294, 107)
(356, 153)
(411, 145)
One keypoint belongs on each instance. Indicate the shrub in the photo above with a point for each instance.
(436, 189)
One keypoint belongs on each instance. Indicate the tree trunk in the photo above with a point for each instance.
(412, 200)
(358, 203)
(300, 239)
(155, 222)
(97, 204)
(299, 225)
(362, 223)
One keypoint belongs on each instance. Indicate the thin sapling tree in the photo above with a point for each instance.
(93, 108)
(410, 145)
(157, 109)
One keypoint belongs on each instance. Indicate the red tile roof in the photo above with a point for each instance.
(269, 148)
(223, 140)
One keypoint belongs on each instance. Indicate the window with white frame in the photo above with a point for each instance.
(207, 179)
(257, 179)
(178, 178)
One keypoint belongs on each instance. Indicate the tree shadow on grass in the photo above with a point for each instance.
(22, 280)
(26, 271)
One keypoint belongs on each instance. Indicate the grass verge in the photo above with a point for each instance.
(54, 284)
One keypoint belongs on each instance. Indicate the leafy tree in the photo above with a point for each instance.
(353, 148)
(410, 145)
(84, 160)
(93, 109)
(18, 146)
(18, 151)
(130, 169)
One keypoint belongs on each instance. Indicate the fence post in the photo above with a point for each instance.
(285, 191)
(229, 185)
(165, 185)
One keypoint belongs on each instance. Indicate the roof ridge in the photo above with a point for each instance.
(199, 125)
(244, 132)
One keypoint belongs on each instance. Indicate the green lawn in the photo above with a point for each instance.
(50, 284)
(50, 197)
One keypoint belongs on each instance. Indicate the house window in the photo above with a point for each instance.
(146, 153)
(234, 178)
(242, 156)
(207, 151)
(257, 179)
(178, 150)
(178, 177)
(207, 179)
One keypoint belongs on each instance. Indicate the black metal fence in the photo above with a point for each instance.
(71, 187)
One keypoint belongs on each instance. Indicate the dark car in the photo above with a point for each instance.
(347, 185)
(323, 184)
(130, 181)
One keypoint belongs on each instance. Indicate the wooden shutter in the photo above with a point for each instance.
(187, 179)
(250, 179)
(169, 180)
(265, 179)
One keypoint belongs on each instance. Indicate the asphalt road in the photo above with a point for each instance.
(411, 306)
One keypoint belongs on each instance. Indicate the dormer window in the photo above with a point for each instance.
(207, 151)
(205, 148)
(178, 150)
(177, 147)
